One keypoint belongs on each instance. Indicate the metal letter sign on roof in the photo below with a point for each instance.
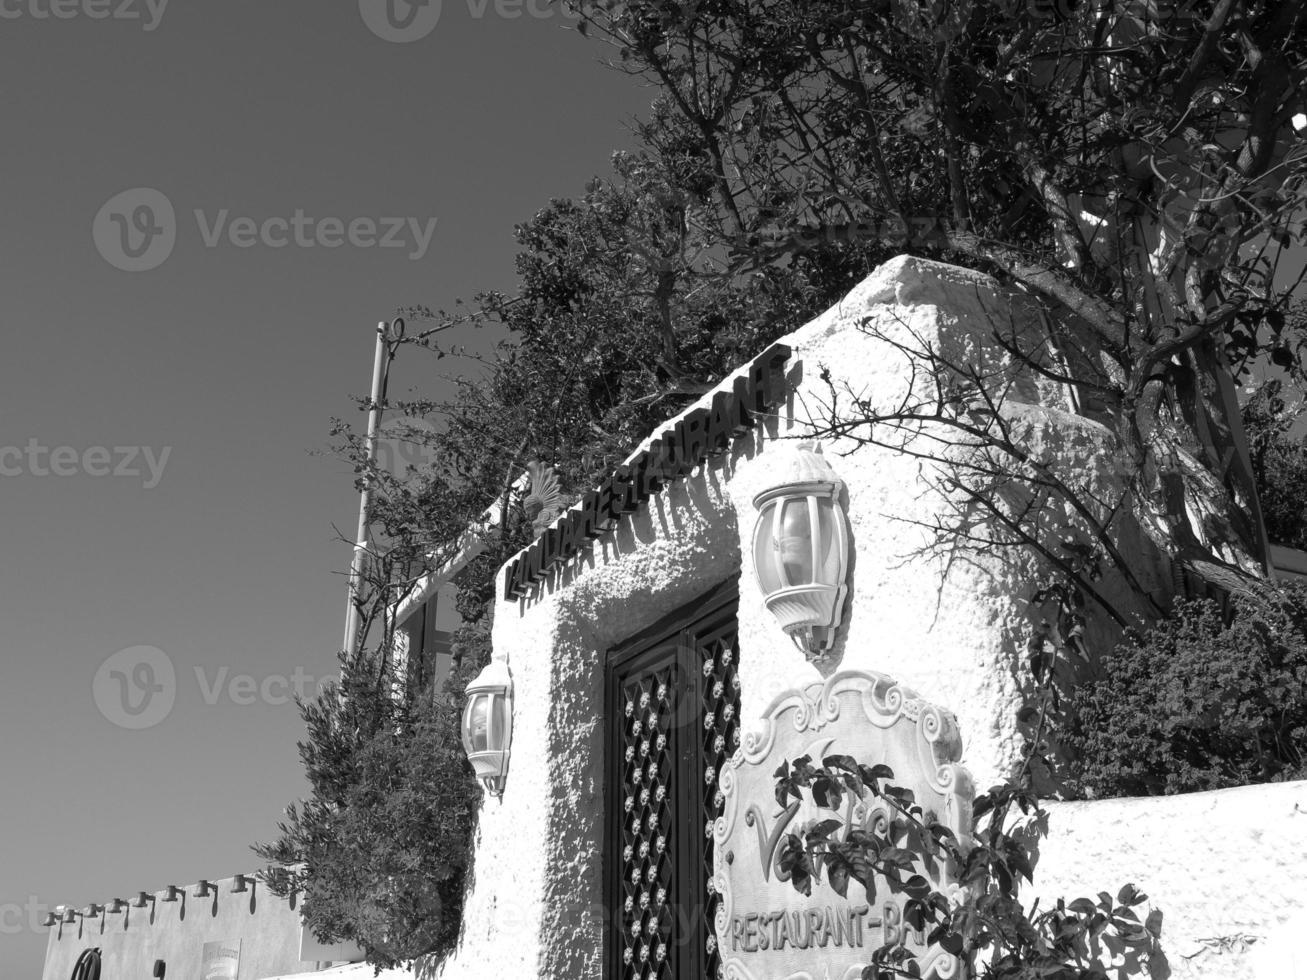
(766, 929)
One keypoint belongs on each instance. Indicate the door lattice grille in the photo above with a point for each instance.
(648, 771)
(720, 699)
(674, 708)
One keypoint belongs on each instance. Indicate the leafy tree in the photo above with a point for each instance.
(1131, 167)
(625, 313)
(1279, 463)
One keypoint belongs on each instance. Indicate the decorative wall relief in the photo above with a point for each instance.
(766, 929)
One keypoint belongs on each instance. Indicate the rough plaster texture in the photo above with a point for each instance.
(175, 932)
(955, 630)
(1225, 869)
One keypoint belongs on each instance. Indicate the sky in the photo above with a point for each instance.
(199, 236)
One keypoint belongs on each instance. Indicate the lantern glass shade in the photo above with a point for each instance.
(488, 726)
(478, 725)
(800, 551)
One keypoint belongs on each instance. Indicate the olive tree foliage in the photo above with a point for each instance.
(1279, 454)
(378, 854)
(1130, 168)
(626, 312)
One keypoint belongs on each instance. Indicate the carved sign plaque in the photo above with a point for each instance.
(221, 960)
(766, 929)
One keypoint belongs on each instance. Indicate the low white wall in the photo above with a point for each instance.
(1227, 869)
(267, 929)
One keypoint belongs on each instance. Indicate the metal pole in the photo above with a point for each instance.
(379, 365)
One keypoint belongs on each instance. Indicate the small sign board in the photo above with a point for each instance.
(768, 930)
(221, 960)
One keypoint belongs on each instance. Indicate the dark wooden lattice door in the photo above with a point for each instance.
(673, 718)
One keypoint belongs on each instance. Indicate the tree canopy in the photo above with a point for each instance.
(1134, 167)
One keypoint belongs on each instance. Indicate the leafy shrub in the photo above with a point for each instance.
(382, 848)
(1202, 701)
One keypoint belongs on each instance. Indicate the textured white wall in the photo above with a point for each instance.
(954, 631)
(1226, 869)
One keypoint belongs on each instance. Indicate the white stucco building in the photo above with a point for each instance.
(669, 590)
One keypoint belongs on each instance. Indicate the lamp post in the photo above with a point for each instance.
(389, 336)
(488, 725)
(801, 550)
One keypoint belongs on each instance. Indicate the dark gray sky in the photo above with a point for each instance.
(231, 360)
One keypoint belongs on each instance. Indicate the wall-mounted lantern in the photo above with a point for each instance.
(488, 725)
(241, 884)
(204, 888)
(142, 898)
(49, 920)
(801, 549)
(173, 893)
